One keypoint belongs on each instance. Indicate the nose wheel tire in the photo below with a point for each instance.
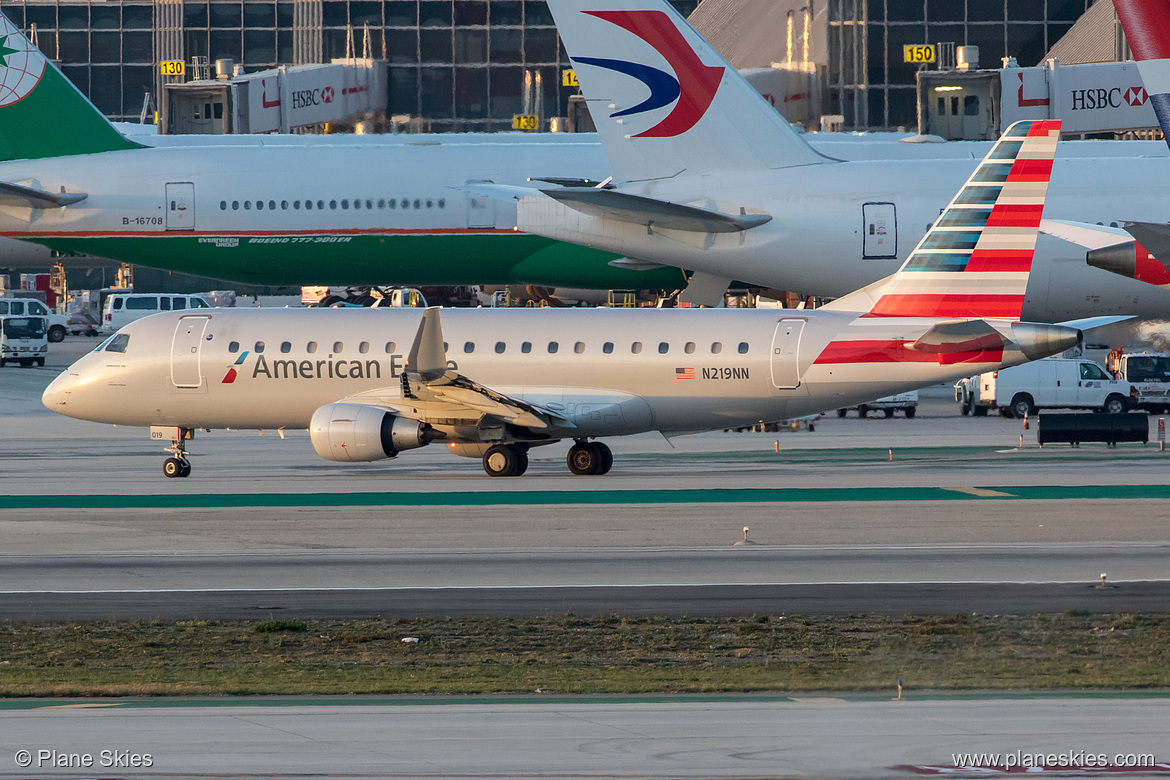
(177, 467)
(505, 461)
(590, 458)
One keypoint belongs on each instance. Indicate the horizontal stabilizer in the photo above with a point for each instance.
(32, 198)
(1082, 233)
(1092, 323)
(640, 210)
(959, 336)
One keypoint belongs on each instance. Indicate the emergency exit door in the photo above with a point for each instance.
(186, 371)
(180, 205)
(786, 354)
(880, 240)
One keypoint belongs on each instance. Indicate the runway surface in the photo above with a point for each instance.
(596, 737)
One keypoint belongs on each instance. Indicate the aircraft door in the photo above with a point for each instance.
(481, 210)
(880, 241)
(186, 371)
(180, 205)
(786, 354)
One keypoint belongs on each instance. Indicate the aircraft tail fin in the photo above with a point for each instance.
(975, 260)
(41, 113)
(700, 116)
(1147, 30)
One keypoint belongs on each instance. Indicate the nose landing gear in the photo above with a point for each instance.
(177, 465)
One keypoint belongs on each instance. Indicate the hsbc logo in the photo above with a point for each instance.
(1093, 99)
(304, 98)
(327, 95)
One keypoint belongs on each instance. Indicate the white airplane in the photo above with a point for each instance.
(708, 177)
(492, 383)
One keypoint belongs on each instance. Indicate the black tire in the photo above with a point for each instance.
(964, 409)
(329, 300)
(57, 334)
(1022, 406)
(606, 456)
(842, 412)
(979, 411)
(185, 470)
(173, 467)
(584, 459)
(26, 362)
(888, 412)
(40, 362)
(500, 461)
(862, 410)
(911, 411)
(1115, 404)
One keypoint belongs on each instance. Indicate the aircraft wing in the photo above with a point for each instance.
(639, 210)
(34, 198)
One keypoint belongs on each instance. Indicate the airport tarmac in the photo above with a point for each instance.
(858, 736)
(939, 513)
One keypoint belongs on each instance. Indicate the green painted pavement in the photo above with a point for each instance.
(589, 497)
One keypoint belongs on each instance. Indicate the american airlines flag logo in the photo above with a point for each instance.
(684, 373)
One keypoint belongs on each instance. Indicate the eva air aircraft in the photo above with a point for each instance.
(311, 213)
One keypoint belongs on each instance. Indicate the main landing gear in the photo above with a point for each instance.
(590, 458)
(177, 465)
(506, 460)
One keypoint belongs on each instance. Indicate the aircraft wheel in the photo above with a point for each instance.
(185, 469)
(888, 412)
(862, 410)
(606, 456)
(502, 461)
(842, 412)
(173, 467)
(910, 412)
(584, 459)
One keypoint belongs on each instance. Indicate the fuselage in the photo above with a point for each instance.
(610, 371)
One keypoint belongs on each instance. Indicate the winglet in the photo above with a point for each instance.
(427, 356)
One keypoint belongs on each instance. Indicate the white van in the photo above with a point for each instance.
(1053, 383)
(16, 306)
(123, 308)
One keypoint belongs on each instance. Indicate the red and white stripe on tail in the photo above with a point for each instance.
(1147, 30)
(974, 261)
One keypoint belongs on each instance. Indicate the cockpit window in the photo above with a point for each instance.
(118, 343)
(102, 346)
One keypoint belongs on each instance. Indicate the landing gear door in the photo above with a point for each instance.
(786, 354)
(880, 241)
(180, 206)
(186, 349)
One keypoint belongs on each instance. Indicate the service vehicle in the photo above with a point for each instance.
(121, 309)
(1052, 383)
(1149, 373)
(23, 340)
(906, 403)
(13, 303)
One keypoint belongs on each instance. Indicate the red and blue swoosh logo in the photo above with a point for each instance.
(230, 376)
(693, 86)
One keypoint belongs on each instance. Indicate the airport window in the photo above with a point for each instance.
(259, 347)
(118, 343)
(663, 347)
(234, 347)
(636, 348)
(235, 205)
(526, 347)
(716, 347)
(553, 347)
(469, 347)
(311, 347)
(607, 347)
(285, 347)
(272, 205)
(500, 347)
(344, 203)
(689, 348)
(364, 347)
(223, 205)
(743, 347)
(332, 204)
(389, 347)
(338, 347)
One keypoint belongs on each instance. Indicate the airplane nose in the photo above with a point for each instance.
(55, 397)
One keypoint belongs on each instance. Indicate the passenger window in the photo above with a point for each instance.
(259, 347)
(345, 203)
(284, 205)
(607, 347)
(233, 346)
(117, 304)
(393, 203)
(716, 347)
(743, 347)
(469, 347)
(526, 347)
(320, 205)
(442, 203)
(364, 347)
(18, 307)
(235, 205)
(369, 203)
(663, 347)
(247, 205)
(417, 203)
(118, 343)
(223, 205)
(381, 203)
(636, 348)
(553, 347)
(500, 347)
(333, 205)
(579, 347)
(338, 347)
(308, 205)
(149, 302)
(3, 307)
(689, 348)
(357, 204)
(272, 205)
(285, 347)
(389, 347)
(259, 205)
(311, 347)
(296, 205)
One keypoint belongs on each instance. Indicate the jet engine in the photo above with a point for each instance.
(1037, 340)
(349, 432)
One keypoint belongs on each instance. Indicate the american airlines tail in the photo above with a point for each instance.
(664, 101)
(975, 260)
(1147, 30)
(41, 113)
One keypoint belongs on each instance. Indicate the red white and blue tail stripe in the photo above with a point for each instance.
(974, 261)
(1147, 29)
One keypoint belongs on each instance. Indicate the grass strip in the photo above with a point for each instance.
(572, 655)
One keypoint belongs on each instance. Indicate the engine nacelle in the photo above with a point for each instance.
(1037, 340)
(351, 433)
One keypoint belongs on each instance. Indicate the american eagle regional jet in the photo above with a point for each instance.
(493, 383)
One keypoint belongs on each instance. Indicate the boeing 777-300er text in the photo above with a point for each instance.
(493, 383)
